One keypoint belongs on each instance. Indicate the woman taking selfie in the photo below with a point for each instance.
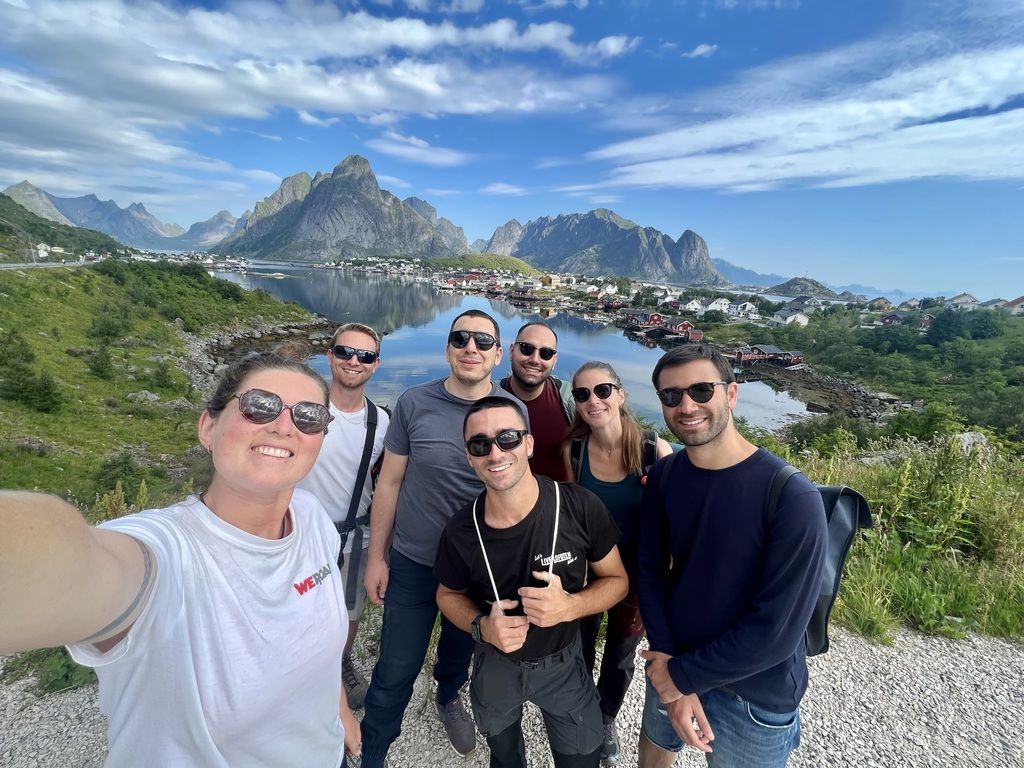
(607, 453)
(216, 625)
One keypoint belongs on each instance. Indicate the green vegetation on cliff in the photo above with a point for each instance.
(21, 229)
(483, 261)
(76, 343)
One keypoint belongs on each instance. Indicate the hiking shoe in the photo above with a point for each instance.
(355, 684)
(458, 725)
(609, 743)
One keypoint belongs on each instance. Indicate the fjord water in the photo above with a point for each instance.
(416, 319)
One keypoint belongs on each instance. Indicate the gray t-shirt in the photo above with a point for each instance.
(426, 426)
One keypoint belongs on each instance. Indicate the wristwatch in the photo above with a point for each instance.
(475, 629)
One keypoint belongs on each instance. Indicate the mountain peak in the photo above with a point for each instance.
(354, 165)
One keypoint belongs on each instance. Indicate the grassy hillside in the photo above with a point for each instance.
(484, 261)
(21, 229)
(74, 342)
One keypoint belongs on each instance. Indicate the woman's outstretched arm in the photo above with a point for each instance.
(63, 581)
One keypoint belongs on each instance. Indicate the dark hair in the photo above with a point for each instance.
(494, 401)
(632, 437)
(485, 316)
(687, 353)
(234, 375)
(358, 327)
(541, 324)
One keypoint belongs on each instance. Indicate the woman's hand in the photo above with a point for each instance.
(353, 734)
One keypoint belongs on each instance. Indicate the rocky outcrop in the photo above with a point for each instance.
(207, 354)
(802, 286)
(344, 214)
(33, 199)
(505, 239)
(203, 234)
(603, 243)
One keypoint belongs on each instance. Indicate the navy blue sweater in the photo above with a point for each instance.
(725, 591)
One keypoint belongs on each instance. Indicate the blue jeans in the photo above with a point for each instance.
(410, 610)
(746, 736)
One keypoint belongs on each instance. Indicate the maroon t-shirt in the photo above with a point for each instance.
(549, 427)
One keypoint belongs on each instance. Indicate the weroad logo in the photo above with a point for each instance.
(309, 582)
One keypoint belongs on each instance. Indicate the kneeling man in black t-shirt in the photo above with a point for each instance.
(518, 568)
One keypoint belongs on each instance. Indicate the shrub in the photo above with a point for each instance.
(120, 469)
(100, 363)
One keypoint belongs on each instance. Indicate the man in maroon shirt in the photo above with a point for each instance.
(547, 398)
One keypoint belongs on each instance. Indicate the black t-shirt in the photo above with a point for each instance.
(586, 533)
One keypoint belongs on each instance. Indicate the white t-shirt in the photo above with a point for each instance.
(334, 473)
(236, 659)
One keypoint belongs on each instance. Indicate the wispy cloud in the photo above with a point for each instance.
(157, 70)
(937, 103)
(393, 181)
(501, 188)
(702, 51)
(418, 150)
(311, 119)
(434, 192)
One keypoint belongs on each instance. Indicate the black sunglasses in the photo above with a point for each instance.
(699, 393)
(506, 440)
(546, 353)
(603, 391)
(262, 407)
(459, 339)
(364, 356)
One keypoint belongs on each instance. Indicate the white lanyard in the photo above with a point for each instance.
(487, 562)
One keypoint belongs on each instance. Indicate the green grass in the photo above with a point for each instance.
(946, 554)
(78, 451)
(56, 310)
(484, 261)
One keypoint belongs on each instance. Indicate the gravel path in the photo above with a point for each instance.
(924, 701)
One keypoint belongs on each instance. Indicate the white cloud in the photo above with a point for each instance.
(551, 162)
(702, 51)
(442, 192)
(545, 5)
(393, 181)
(319, 122)
(417, 150)
(928, 104)
(501, 188)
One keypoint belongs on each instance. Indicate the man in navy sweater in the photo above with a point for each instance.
(725, 592)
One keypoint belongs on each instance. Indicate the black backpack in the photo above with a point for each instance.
(648, 454)
(846, 512)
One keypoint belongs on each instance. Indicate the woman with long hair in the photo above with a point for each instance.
(607, 452)
(215, 625)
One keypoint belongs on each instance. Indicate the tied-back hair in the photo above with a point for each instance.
(286, 357)
(632, 436)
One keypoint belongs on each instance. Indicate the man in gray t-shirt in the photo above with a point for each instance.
(425, 479)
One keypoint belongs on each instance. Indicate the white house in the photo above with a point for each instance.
(1014, 306)
(714, 305)
(742, 309)
(788, 317)
(693, 305)
(963, 302)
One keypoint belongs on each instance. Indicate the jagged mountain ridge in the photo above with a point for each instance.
(133, 225)
(203, 234)
(602, 242)
(344, 213)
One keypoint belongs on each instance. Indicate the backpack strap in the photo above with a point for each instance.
(364, 465)
(666, 465)
(648, 452)
(575, 454)
(353, 506)
(782, 474)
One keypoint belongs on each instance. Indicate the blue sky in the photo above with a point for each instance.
(872, 142)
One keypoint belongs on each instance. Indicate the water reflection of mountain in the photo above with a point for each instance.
(384, 303)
